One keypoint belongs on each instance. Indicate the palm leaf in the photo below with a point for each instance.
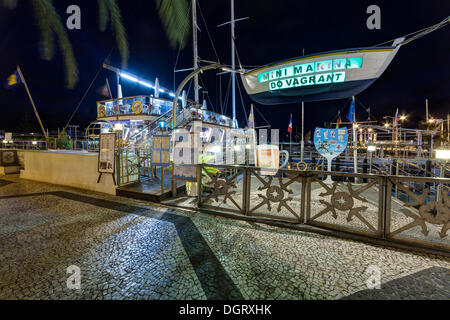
(10, 4)
(103, 15)
(52, 22)
(119, 30)
(44, 23)
(175, 18)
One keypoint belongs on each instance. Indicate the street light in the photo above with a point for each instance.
(371, 148)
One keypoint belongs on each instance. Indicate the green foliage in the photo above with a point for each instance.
(117, 26)
(174, 15)
(10, 4)
(63, 142)
(50, 24)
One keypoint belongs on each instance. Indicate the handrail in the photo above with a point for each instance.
(150, 124)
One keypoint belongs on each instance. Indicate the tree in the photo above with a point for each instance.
(63, 141)
(173, 13)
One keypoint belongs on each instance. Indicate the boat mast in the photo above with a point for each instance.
(194, 45)
(233, 67)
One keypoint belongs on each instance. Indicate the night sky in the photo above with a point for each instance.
(276, 30)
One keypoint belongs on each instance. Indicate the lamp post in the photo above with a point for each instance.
(371, 148)
(442, 155)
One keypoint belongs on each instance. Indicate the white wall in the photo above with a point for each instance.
(69, 168)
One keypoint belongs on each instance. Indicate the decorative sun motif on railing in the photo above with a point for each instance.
(344, 201)
(275, 193)
(435, 212)
(222, 185)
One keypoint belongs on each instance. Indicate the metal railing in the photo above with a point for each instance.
(362, 204)
(146, 105)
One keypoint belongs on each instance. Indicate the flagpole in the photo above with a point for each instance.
(109, 89)
(302, 145)
(255, 156)
(290, 140)
(355, 151)
(32, 103)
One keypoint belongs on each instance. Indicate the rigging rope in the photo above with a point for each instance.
(207, 31)
(242, 101)
(207, 95)
(86, 92)
(254, 107)
(226, 96)
(419, 33)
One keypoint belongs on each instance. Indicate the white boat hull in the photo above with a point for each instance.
(332, 75)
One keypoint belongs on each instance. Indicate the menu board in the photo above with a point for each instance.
(161, 151)
(106, 155)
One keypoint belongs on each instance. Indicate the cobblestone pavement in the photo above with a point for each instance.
(131, 249)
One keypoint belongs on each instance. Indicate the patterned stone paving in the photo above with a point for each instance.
(131, 249)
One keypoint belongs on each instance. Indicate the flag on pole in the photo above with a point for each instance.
(104, 90)
(394, 125)
(338, 122)
(308, 135)
(290, 125)
(13, 80)
(351, 111)
(251, 119)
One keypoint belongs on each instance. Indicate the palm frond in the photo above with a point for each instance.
(103, 15)
(119, 30)
(44, 23)
(174, 15)
(56, 26)
(10, 4)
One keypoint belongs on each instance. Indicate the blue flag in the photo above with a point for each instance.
(351, 111)
(13, 80)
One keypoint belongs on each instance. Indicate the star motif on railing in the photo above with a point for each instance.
(434, 212)
(344, 201)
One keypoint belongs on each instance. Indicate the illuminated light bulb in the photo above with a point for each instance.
(443, 154)
(215, 149)
(118, 126)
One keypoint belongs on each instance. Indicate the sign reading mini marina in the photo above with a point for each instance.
(309, 74)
